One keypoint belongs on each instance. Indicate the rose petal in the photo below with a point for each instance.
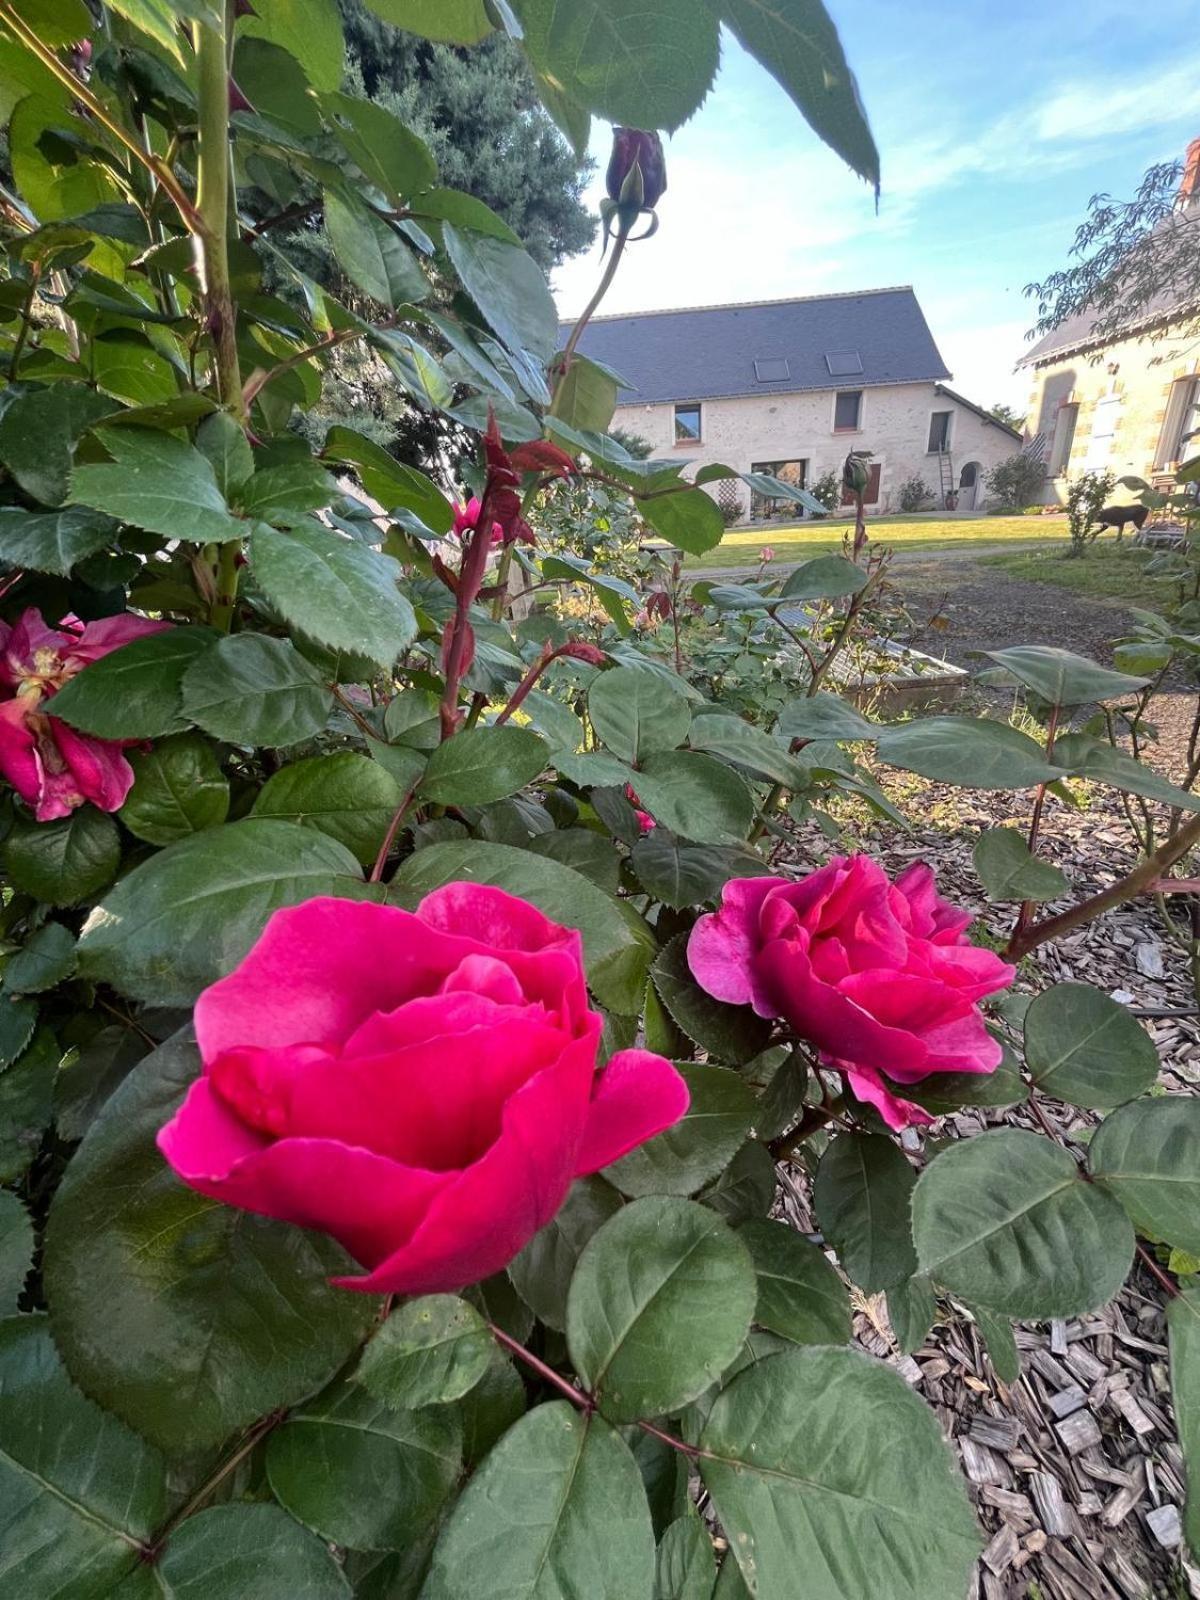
(869, 1087)
(363, 1200)
(19, 760)
(99, 769)
(638, 1094)
(723, 945)
(108, 634)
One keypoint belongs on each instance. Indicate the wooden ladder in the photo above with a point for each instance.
(946, 475)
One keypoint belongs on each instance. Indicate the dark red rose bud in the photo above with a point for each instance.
(856, 473)
(637, 170)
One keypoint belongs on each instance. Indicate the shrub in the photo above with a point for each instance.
(1016, 480)
(827, 489)
(730, 503)
(1085, 497)
(914, 493)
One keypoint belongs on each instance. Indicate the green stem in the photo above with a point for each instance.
(26, 323)
(589, 312)
(224, 601)
(213, 202)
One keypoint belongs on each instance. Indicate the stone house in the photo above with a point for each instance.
(788, 387)
(1124, 403)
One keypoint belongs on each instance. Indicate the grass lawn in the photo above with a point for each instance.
(922, 531)
(1107, 571)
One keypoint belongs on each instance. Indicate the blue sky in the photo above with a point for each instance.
(995, 124)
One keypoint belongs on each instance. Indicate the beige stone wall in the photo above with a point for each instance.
(785, 427)
(1122, 393)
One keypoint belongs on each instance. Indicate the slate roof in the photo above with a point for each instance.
(709, 352)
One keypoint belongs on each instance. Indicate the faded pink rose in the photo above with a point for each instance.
(421, 1085)
(466, 519)
(879, 976)
(52, 767)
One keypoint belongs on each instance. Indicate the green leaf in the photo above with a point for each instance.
(862, 1196)
(178, 790)
(746, 1189)
(18, 1019)
(373, 254)
(159, 483)
(1006, 1221)
(1062, 678)
(52, 541)
(389, 481)
(80, 1491)
(1096, 759)
(696, 796)
(223, 444)
(479, 765)
(1008, 871)
(735, 1034)
(234, 1551)
(998, 1336)
(542, 1272)
(736, 741)
(509, 288)
(588, 852)
(635, 713)
(39, 430)
(186, 1317)
(824, 716)
(489, 1409)
(644, 66)
(1084, 1048)
(26, 1104)
(253, 690)
(310, 30)
(347, 796)
(16, 1251)
(1148, 1155)
(430, 1351)
(187, 915)
(47, 958)
(63, 862)
(689, 519)
(1183, 1329)
(972, 751)
(682, 874)
(800, 1296)
(911, 1307)
(700, 1146)
(134, 692)
(824, 578)
(451, 21)
(389, 155)
(616, 950)
(328, 1462)
(586, 396)
(824, 1462)
(660, 1304)
(571, 1486)
(687, 1566)
(335, 590)
(944, 1092)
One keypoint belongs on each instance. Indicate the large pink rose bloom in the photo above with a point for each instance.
(52, 767)
(878, 975)
(421, 1085)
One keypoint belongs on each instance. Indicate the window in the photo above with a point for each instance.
(939, 432)
(871, 497)
(847, 411)
(1182, 418)
(1064, 438)
(843, 363)
(771, 369)
(969, 475)
(687, 424)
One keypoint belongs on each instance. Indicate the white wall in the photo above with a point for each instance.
(894, 427)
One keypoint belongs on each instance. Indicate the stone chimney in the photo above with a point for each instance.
(1189, 188)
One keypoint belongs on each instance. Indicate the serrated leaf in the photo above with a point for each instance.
(374, 256)
(729, 1033)
(1006, 1221)
(1098, 761)
(542, 1272)
(824, 578)
(346, 796)
(636, 714)
(862, 1196)
(230, 1552)
(430, 1351)
(178, 790)
(39, 429)
(660, 1304)
(1148, 1155)
(800, 1296)
(686, 1567)
(689, 519)
(972, 751)
(681, 874)
(186, 1317)
(16, 1251)
(1183, 1329)
(696, 796)
(159, 483)
(52, 541)
(998, 1337)
(65, 861)
(508, 287)
(911, 1307)
(250, 689)
(479, 765)
(1062, 678)
(700, 1146)
(134, 692)
(310, 30)
(1008, 871)
(746, 1189)
(1085, 1048)
(46, 958)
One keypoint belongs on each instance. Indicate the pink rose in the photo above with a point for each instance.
(51, 766)
(644, 820)
(421, 1085)
(878, 975)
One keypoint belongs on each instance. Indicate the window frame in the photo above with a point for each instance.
(688, 438)
(1060, 453)
(943, 449)
(839, 394)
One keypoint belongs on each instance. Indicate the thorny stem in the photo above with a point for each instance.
(83, 95)
(389, 838)
(1139, 881)
(470, 580)
(212, 200)
(1169, 1286)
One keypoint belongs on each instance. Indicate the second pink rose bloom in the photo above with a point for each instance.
(878, 975)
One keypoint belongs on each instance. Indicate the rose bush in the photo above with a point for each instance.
(879, 976)
(421, 1085)
(354, 1235)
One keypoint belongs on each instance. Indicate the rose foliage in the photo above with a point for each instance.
(404, 1004)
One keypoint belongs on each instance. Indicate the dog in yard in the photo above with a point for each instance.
(1117, 516)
